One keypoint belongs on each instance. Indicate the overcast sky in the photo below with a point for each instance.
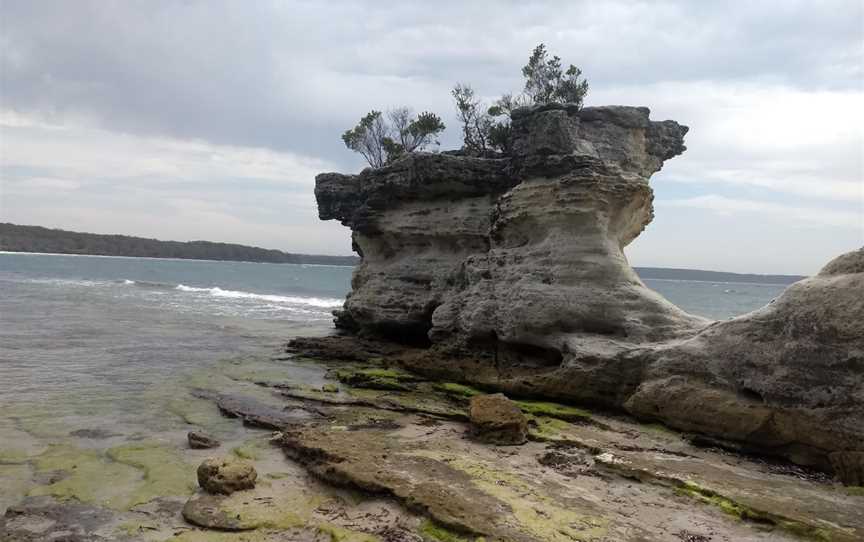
(209, 119)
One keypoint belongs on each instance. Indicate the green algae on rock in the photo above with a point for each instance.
(16, 482)
(252, 449)
(436, 533)
(376, 378)
(86, 476)
(453, 389)
(554, 410)
(165, 472)
(746, 513)
(124, 477)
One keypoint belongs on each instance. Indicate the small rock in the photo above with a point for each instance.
(93, 433)
(206, 511)
(498, 420)
(201, 441)
(849, 467)
(330, 388)
(225, 475)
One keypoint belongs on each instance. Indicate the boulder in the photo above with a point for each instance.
(225, 475)
(495, 419)
(201, 441)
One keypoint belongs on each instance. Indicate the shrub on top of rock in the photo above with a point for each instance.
(487, 130)
(381, 140)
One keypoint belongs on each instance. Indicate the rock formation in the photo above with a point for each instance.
(512, 270)
(787, 378)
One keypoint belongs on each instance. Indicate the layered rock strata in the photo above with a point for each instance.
(512, 269)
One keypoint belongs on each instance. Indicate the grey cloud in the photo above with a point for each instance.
(291, 76)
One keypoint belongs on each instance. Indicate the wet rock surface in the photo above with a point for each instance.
(201, 441)
(225, 475)
(207, 511)
(401, 465)
(38, 519)
(626, 466)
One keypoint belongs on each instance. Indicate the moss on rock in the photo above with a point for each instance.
(165, 472)
(554, 410)
(433, 532)
(376, 378)
(537, 513)
(13, 457)
(458, 391)
(85, 476)
(252, 449)
(746, 513)
(126, 476)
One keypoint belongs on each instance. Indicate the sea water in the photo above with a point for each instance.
(118, 347)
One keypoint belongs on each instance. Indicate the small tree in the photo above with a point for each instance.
(547, 82)
(477, 122)
(368, 137)
(380, 140)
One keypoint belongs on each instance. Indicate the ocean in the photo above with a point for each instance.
(100, 351)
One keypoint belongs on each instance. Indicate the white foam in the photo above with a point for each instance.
(234, 294)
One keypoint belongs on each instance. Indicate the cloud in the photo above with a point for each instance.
(777, 138)
(812, 215)
(156, 117)
(102, 181)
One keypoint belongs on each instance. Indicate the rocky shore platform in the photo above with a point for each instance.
(377, 452)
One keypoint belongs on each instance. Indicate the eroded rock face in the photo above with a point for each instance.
(513, 271)
(523, 255)
(787, 378)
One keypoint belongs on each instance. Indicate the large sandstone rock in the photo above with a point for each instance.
(225, 475)
(787, 378)
(521, 254)
(512, 269)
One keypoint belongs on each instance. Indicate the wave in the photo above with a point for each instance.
(66, 282)
(235, 294)
(278, 301)
(147, 284)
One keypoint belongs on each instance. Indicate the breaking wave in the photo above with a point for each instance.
(235, 294)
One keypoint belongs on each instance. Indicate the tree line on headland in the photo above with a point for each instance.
(15, 238)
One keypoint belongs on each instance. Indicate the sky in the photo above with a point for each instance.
(209, 119)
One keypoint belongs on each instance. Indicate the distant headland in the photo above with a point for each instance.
(16, 238)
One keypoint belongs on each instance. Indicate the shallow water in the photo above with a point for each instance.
(97, 353)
